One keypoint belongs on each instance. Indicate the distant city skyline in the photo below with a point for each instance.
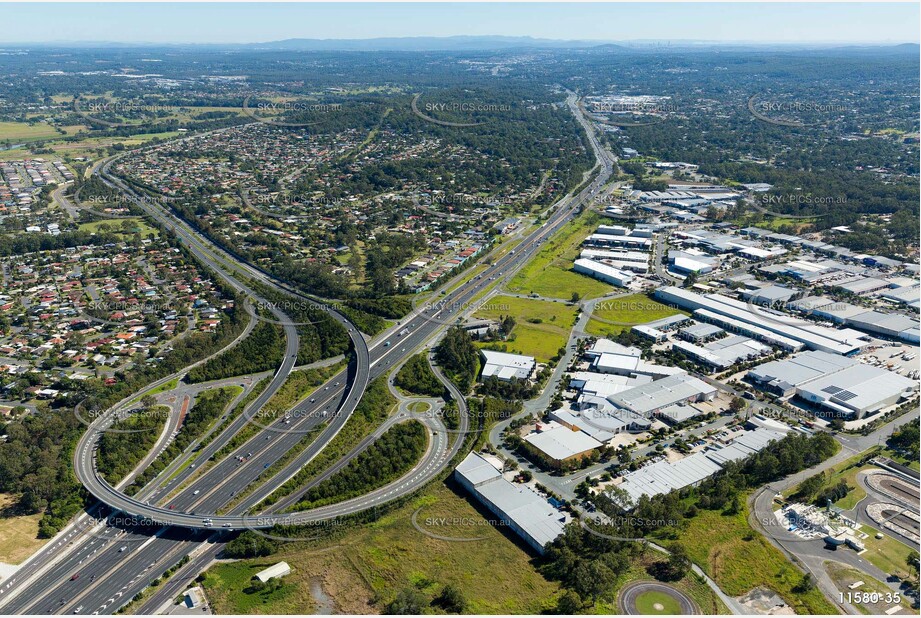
(230, 23)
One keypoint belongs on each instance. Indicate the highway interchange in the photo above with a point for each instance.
(97, 566)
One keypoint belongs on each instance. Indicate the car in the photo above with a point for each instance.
(196, 492)
(122, 548)
(172, 506)
(74, 577)
(265, 466)
(192, 467)
(386, 344)
(78, 610)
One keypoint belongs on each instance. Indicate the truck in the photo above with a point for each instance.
(402, 332)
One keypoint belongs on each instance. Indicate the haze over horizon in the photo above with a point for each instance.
(250, 23)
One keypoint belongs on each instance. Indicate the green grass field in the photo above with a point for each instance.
(228, 588)
(887, 554)
(740, 559)
(550, 273)
(614, 315)
(844, 577)
(541, 328)
(18, 533)
(116, 225)
(23, 132)
(364, 568)
(657, 603)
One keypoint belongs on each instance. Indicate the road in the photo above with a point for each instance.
(117, 585)
(811, 555)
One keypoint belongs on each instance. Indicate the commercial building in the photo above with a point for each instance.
(519, 507)
(647, 399)
(811, 335)
(633, 366)
(506, 366)
(722, 353)
(559, 444)
(610, 240)
(837, 385)
(603, 272)
(663, 476)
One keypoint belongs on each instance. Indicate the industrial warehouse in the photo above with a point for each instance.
(519, 507)
(835, 385)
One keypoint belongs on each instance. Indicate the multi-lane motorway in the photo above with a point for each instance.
(102, 569)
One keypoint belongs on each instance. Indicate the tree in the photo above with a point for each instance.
(408, 601)
(575, 298)
(805, 584)
(678, 561)
(737, 404)
(451, 599)
(594, 580)
(569, 603)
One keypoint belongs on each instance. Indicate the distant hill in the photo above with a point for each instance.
(425, 43)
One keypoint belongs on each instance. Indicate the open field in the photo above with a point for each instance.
(739, 559)
(228, 588)
(887, 554)
(541, 328)
(363, 568)
(649, 603)
(89, 147)
(845, 576)
(550, 272)
(18, 533)
(610, 317)
(23, 132)
(138, 225)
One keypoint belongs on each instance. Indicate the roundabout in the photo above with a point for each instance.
(648, 597)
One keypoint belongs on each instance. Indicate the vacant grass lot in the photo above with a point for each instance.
(611, 316)
(542, 327)
(227, 587)
(550, 272)
(739, 559)
(364, 568)
(18, 533)
(886, 554)
(845, 576)
(118, 226)
(649, 602)
(23, 132)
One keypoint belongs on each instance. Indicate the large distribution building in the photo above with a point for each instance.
(835, 384)
(736, 315)
(663, 476)
(519, 507)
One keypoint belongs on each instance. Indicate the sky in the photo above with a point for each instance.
(261, 22)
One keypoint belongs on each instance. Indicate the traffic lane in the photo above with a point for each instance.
(58, 574)
(75, 575)
(387, 493)
(422, 332)
(500, 263)
(158, 555)
(422, 472)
